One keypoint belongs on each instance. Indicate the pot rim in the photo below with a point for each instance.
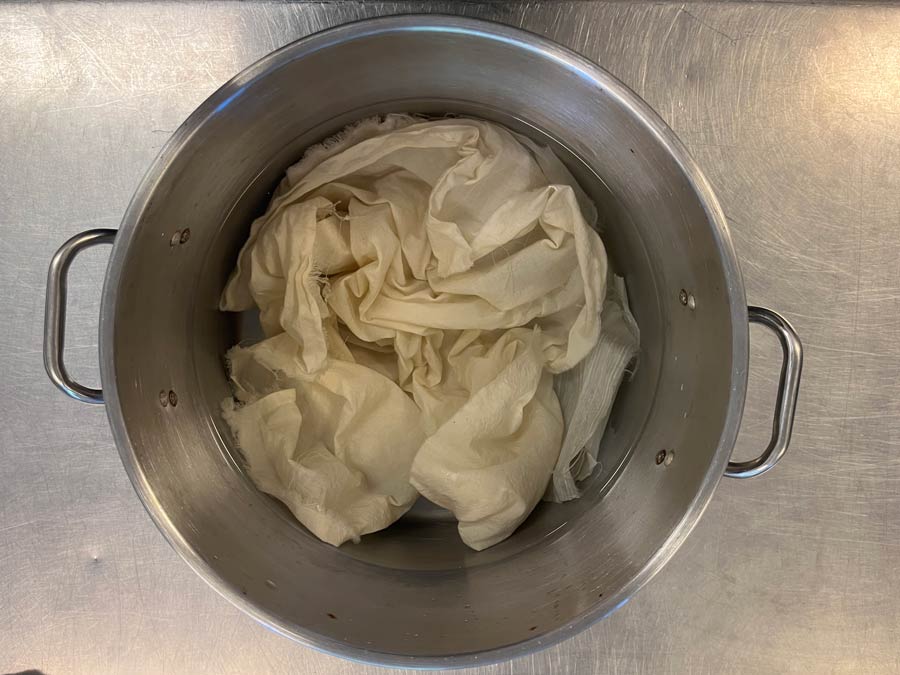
(523, 40)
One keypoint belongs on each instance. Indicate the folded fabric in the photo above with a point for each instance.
(587, 392)
(419, 284)
(322, 443)
(489, 461)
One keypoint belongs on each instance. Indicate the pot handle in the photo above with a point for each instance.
(55, 313)
(786, 401)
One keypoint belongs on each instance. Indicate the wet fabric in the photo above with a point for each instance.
(420, 284)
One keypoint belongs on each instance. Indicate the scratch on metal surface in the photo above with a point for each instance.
(15, 526)
(731, 38)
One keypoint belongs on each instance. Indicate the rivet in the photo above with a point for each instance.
(661, 456)
(164, 398)
(173, 398)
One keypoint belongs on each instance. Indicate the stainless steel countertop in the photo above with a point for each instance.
(794, 114)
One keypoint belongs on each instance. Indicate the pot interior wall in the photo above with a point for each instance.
(416, 590)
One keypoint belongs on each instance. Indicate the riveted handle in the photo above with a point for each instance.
(55, 313)
(786, 401)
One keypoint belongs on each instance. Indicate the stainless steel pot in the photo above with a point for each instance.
(414, 595)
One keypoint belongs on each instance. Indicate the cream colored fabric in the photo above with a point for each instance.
(335, 446)
(419, 283)
(587, 392)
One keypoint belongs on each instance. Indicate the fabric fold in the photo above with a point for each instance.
(420, 283)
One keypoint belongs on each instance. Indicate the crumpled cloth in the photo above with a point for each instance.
(419, 284)
(587, 392)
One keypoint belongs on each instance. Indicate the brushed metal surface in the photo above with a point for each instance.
(794, 114)
(55, 313)
(415, 595)
(785, 398)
